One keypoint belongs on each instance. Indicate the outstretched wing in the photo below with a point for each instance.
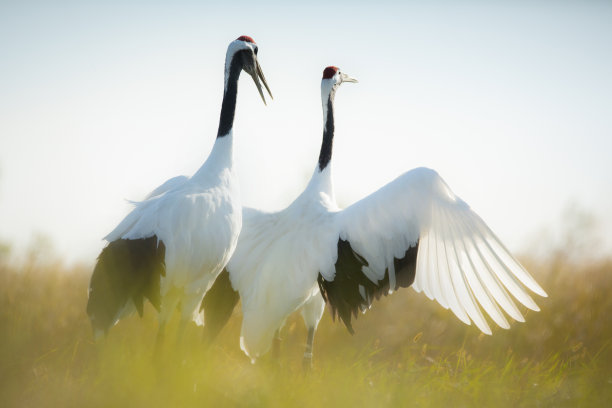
(416, 231)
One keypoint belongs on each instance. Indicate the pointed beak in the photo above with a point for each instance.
(257, 75)
(346, 78)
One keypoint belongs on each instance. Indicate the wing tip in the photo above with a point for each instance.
(483, 327)
(534, 307)
(464, 317)
(539, 291)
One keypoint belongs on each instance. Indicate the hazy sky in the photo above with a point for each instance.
(511, 102)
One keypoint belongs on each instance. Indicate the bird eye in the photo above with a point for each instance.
(255, 50)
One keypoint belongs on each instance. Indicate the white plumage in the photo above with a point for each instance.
(459, 259)
(171, 246)
(369, 249)
(198, 220)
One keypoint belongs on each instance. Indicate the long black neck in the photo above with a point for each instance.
(328, 134)
(228, 108)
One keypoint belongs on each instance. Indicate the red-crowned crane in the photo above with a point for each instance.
(412, 232)
(171, 246)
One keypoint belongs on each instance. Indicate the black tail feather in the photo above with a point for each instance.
(127, 269)
(218, 305)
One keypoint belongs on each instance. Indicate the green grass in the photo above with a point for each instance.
(407, 351)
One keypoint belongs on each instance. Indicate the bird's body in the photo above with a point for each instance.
(172, 246)
(202, 212)
(413, 231)
(276, 264)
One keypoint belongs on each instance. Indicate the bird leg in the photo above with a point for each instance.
(307, 362)
(276, 344)
(168, 306)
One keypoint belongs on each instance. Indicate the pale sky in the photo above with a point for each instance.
(100, 102)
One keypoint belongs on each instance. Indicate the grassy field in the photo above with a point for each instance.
(407, 351)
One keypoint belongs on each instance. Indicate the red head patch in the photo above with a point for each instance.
(329, 72)
(246, 38)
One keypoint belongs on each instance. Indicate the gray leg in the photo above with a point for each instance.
(307, 362)
(276, 345)
(168, 306)
(312, 311)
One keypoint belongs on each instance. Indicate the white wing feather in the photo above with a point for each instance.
(168, 185)
(460, 261)
(145, 208)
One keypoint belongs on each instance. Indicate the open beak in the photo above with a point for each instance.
(346, 78)
(257, 74)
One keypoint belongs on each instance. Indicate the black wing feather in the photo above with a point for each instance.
(343, 294)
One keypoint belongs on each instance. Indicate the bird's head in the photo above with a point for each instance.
(242, 52)
(332, 78)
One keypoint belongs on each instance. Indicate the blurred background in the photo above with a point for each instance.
(510, 102)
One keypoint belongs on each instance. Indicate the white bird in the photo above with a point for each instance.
(413, 231)
(171, 246)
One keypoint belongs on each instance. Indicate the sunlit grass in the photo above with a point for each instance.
(407, 351)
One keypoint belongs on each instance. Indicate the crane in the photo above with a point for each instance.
(413, 231)
(173, 244)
